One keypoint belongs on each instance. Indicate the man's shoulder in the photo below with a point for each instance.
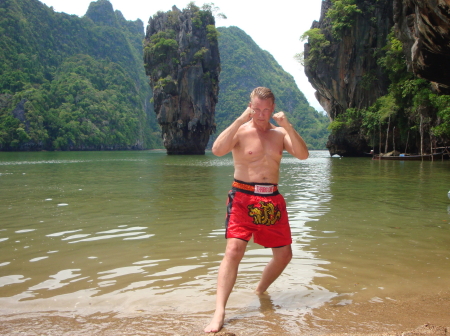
(278, 129)
(244, 128)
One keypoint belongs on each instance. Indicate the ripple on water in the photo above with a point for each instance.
(139, 237)
(18, 163)
(77, 236)
(57, 279)
(130, 233)
(91, 239)
(25, 231)
(62, 233)
(124, 230)
(38, 259)
(12, 279)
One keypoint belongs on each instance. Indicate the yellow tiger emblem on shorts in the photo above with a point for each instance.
(266, 214)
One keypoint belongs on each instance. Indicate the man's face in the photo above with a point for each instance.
(263, 109)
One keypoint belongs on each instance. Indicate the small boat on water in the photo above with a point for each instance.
(407, 157)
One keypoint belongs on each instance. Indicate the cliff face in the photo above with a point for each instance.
(424, 29)
(182, 60)
(347, 76)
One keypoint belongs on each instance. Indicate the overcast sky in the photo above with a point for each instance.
(276, 26)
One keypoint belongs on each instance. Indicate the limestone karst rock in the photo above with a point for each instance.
(424, 29)
(182, 60)
(347, 75)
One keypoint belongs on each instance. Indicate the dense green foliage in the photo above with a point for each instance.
(246, 66)
(317, 46)
(411, 117)
(411, 113)
(72, 83)
(342, 16)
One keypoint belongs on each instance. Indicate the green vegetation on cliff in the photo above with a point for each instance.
(182, 60)
(411, 109)
(317, 48)
(342, 16)
(246, 66)
(72, 83)
(363, 74)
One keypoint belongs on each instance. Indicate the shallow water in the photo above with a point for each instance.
(142, 232)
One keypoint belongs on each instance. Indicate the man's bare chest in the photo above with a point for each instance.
(256, 146)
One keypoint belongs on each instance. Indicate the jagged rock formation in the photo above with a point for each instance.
(182, 60)
(348, 75)
(424, 29)
(102, 12)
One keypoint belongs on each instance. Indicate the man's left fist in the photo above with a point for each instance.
(280, 118)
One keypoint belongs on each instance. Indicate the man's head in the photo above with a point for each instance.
(262, 103)
(262, 93)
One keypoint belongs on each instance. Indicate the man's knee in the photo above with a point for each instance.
(287, 257)
(235, 249)
(283, 255)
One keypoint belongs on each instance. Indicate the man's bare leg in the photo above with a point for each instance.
(225, 280)
(281, 258)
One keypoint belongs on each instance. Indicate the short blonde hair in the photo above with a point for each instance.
(262, 93)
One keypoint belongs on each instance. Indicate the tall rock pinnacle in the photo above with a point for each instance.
(181, 56)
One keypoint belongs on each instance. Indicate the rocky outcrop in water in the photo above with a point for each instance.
(182, 61)
(424, 29)
(347, 75)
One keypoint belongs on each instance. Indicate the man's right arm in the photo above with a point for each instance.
(226, 141)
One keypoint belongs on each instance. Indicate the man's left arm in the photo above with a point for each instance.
(293, 142)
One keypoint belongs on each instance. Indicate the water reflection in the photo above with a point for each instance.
(388, 234)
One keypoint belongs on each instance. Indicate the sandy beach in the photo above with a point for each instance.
(422, 315)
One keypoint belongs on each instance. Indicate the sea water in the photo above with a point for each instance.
(143, 232)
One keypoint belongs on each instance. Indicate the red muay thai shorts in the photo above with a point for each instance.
(258, 210)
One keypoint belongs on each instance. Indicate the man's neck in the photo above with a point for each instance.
(261, 126)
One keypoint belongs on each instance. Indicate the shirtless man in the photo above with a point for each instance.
(255, 206)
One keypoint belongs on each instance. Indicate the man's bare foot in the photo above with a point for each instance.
(216, 322)
(266, 293)
(260, 292)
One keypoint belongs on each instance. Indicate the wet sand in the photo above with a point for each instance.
(422, 315)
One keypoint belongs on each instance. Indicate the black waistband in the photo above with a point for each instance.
(254, 188)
